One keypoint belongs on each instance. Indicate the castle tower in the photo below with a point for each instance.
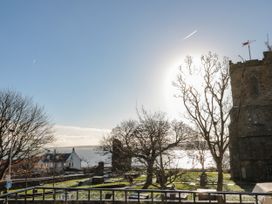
(251, 120)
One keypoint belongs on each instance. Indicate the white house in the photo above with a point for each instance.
(59, 162)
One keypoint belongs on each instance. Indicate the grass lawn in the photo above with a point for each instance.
(189, 180)
(65, 184)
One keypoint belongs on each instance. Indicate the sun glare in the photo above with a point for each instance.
(174, 105)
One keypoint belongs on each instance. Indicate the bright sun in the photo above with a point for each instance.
(174, 104)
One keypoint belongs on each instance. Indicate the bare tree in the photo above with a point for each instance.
(208, 105)
(149, 137)
(166, 174)
(197, 150)
(118, 143)
(24, 129)
(25, 168)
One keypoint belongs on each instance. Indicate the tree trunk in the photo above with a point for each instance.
(220, 177)
(149, 175)
(2, 172)
(3, 169)
(162, 175)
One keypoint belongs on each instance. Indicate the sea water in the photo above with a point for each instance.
(185, 159)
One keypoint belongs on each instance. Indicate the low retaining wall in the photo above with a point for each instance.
(21, 183)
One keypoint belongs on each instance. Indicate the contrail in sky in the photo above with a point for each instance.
(190, 35)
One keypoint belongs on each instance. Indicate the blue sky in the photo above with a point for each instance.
(90, 63)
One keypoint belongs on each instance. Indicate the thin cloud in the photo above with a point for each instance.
(77, 136)
(190, 35)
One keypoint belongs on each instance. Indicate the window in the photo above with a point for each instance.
(253, 86)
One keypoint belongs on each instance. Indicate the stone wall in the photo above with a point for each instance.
(251, 120)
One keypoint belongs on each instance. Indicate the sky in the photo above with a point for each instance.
(91, 63)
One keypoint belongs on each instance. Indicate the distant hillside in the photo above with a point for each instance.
(81, 146)
(187, 146)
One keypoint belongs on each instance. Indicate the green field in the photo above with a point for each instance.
(188, 181)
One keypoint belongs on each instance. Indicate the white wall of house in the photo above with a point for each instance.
(73, 161)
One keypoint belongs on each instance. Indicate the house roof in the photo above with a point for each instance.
(58, 157)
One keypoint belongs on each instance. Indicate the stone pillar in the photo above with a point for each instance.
(203, 179)
(99, 171)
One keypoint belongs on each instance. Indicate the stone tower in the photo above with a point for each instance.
(120, 159)
(251, 120)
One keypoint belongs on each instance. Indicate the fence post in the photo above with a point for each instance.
(100, 195)
(179, 197)
(43, 192)
(54, 195)
(25, 195)
(194, 197)
(89, 195)
(165, 197)
(256, 199)
(33, 194)
(65, 195)
(126, 196)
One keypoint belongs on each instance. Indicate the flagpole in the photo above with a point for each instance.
(248, 46)
(249, 53)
